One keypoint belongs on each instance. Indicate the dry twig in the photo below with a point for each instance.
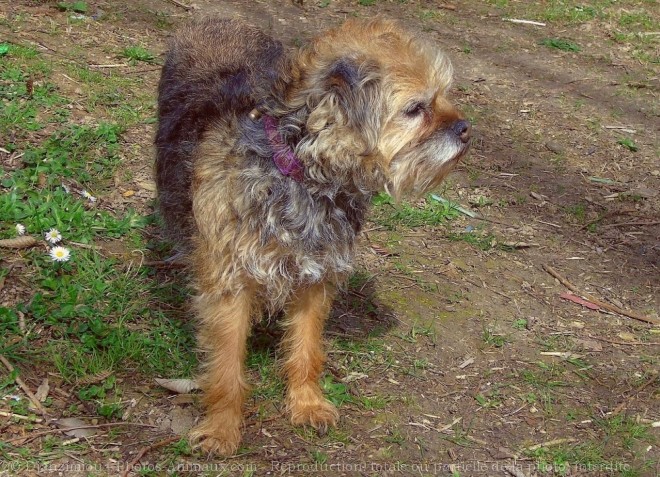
(554, 442)
(182, 5)
(20, 416)
(24, 387)
(602, 304)
(523, 22)
(19, 242)
(67, 429)
(145, 450)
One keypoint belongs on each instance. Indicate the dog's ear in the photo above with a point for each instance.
(353, 89)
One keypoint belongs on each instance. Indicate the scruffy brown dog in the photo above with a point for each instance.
(266, 166)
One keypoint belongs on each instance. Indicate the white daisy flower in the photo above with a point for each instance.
(60, 254)
(53, 236)
(89, 196)
(20, 229)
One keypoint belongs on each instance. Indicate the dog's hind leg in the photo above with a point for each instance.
(303, 345)
(225, 326)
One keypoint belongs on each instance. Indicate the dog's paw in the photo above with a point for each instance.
(216, 437)
(308, 407)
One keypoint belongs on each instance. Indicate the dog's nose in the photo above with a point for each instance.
(462, 129)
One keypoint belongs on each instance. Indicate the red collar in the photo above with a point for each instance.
(283, 156)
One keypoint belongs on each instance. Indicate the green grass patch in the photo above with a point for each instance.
(578, 211)
(560, 44)
(271, 385)
(628, 144)
(429, 213)
(482, 241)
(28, 99)
(76, 7)
(92, 314)
(137, 53)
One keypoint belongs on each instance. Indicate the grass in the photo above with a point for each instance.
(77, 7)
(93, 315)
(577, 211)
(482, 241)
(601, 455)
(429, 213)
(628, 144)
(137, 53)
(560, 44)
(629, 23)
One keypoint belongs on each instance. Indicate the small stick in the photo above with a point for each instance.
(524, 22)
(20, 416)
(163, 264)
(182, 5)
(622, 224)
(622, 128)
(625, 402)
(67, 429)
(624, 343)
(550, 443)
(19, 242)
(548, 223)
(116, 65)
(144, 450)
(602, 304)
(24, 387)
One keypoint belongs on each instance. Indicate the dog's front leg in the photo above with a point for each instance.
(224, 327)
(303, 345)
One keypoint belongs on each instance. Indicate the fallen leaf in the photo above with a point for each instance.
(70, 422)
(179, 386)
(625, 336)
(150, 186)
(128, 193)
(42, 391)
(354, 377)
(589, 345)
(579, 301)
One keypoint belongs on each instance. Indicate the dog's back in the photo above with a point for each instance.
(215, 70)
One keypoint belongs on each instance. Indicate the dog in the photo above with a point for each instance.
(266, 166)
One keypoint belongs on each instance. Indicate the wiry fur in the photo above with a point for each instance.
(363, 108)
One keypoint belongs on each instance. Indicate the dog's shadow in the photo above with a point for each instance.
(356, 316)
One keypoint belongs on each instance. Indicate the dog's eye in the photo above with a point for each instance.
(415, 109)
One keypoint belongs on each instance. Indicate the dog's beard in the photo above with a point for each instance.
(421, 168)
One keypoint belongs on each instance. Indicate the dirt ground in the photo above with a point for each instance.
(459, 352)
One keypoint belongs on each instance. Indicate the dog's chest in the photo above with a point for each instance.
(306, 235)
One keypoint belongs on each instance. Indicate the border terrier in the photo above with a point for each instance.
(266, 166)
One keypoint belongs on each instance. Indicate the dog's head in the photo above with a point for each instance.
(374, 98)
